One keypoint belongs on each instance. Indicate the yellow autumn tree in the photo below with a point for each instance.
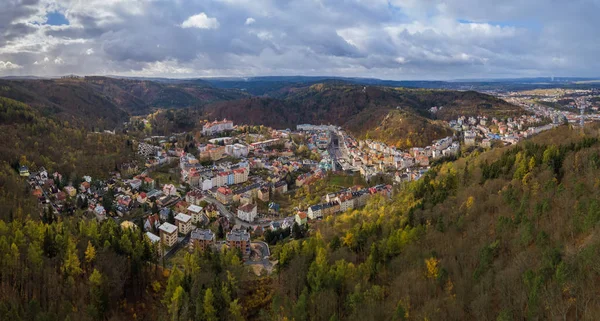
(433, 269)
(90, 253)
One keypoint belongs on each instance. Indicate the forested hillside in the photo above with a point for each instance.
(30, 139)
(509, 234)
(102, 102)
(397, 116)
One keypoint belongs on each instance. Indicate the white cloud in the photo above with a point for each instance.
(7, 65)
(201, 21)
(395, 39)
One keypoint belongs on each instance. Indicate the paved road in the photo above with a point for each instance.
(265, 253)
(177, 247)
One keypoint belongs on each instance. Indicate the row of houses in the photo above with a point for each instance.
(346, 200)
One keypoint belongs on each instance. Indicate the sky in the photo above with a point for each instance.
(387, 39)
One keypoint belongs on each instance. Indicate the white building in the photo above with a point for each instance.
(184, 223)
(236, 150)
(196, 213)
(168, 233)
(247, 212)
(315, 212)
(470, 138)
(217, 127)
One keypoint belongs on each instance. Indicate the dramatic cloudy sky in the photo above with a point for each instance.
(392, 39)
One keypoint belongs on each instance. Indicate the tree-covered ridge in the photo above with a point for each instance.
(507, 235)
(33, 140)
(102, 102)
(365, 110)
(12, 111)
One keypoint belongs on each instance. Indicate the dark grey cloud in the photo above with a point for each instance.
(402, 39)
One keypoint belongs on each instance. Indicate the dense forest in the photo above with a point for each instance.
(508, 234)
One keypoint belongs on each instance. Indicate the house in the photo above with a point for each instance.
(246, 198)
(195, 212)
(239, 239)
(275, 225)
(149, 182)
(201, 239)
(211, 211)
(84, 187)
(99, 209)
(124, 200)
(184, 223)
(330, 208)
(155, 239)
(169, 189)
(164, 214)
(194, 197)
(71, 191)
(288, 222)
(470, 137)
(247, 212)
(346, 202)
(301, 218)
(37, 192)
(224, 195)
(129, 168)
(151, 222)
(258, 230)
(273, 208)
(142, 198)
(135, 184)
(281, 187)
(315, 212)
(24, 171)
(422, 160)
(263, 193)
(167, 201)
(168, 234)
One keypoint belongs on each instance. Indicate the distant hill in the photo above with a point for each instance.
(388, 114)
(105, 102)
(365, 110)
(66, 100)
(140, 96)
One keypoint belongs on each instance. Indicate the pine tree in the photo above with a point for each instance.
(235, 311)
(71, 265)
(90, 253)
(210, 314)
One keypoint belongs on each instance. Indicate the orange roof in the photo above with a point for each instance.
(224, 190)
